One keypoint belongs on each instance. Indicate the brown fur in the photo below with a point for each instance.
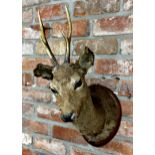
(90, 119)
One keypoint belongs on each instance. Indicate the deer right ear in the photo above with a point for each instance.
(86, 60)
(44, 71)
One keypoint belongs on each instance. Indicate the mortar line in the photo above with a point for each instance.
(51, 38)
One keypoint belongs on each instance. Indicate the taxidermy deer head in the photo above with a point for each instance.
(95, 110)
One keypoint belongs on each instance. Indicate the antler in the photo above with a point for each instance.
(45, 43)
(68, 37)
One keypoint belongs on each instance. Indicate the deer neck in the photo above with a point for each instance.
(91, 117)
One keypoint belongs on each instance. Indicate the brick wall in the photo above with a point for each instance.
(105, 26)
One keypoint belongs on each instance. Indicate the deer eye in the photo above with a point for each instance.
(54, 91)
(77, 84)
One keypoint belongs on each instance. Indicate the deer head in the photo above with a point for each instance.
(75, 99)
(67, 80)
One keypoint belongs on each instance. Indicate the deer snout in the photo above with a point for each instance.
(68, 117)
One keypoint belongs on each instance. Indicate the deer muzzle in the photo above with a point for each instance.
(68, 117)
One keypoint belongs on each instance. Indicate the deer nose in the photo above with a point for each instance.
(68, 117)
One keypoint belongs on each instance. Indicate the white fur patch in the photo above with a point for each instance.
(54, 98)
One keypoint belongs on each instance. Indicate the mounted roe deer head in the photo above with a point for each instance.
(95, 110)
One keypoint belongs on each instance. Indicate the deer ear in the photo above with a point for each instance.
(86, 60)
(44, 71)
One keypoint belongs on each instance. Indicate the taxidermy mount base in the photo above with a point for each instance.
(108, 106)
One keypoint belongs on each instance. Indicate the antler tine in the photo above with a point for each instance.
(66, 45)
(45, 43)
(68, 38)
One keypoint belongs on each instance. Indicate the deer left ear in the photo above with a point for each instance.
(44, 71)
(86, 60)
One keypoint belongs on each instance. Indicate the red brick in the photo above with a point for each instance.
(27, 109)
(31, 63)
(100, 46)
(33, 2)
(52, 146)
(114, 67)
(126, 47)
(75, 151)
(49, 113)
(36, 95)
(42, 82)
(123, 148)
(127, 108)
(27, 79)
(26, 151)
(33, 31)
(27, 48)
(112, 25)
(80, 8)
(91, 7)
(29, 33)
(126, 129)
(36, 127)
(68, 134)
(110, 83)
(80, 28)
(36, 27)
(27, 15)
(126, 88)
(128, 5)
(57, 46)
(55, 11)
